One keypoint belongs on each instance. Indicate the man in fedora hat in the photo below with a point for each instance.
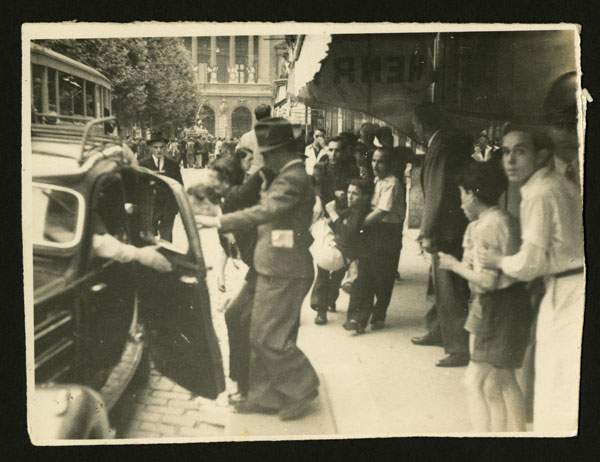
(165, 207)
(281, 377)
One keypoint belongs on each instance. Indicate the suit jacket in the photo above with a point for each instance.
(328, 179)
(165, 198)
(171, 168)
(283, 216)
(443, 220)
(240, 197)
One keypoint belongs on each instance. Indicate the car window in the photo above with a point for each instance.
(57, 216)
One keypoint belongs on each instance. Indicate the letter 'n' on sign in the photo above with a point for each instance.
(343, 67)
(371, 69)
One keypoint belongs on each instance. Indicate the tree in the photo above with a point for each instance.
(152, 77)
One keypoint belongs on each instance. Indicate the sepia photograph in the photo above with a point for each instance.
(302, 231)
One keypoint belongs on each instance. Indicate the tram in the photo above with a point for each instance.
(66, 91)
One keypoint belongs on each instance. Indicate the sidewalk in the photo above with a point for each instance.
(377, 384)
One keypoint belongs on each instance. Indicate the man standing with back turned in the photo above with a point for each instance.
(281, 377)
(442, 227)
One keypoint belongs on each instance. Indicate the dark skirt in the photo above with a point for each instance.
(504, 329)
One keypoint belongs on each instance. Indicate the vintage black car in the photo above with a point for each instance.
(92, 317)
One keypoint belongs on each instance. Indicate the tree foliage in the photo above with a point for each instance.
(152, 77)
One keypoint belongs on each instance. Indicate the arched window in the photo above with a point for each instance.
(206, 117)
(241, 121)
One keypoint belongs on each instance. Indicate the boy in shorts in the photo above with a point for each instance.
(500, 316)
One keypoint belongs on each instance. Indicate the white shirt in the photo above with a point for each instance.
(159, 162)
(494, 229)
(249, 141)
(389, 197)
(551, 228)
(478, 156)
(312, 158)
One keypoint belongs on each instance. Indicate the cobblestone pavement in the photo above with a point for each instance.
(160, 407)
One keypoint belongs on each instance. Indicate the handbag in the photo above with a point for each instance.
(324, 249)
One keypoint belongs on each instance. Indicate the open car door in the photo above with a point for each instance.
(175, 306)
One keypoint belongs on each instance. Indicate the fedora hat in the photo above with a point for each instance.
(276, 132)
(157, 136)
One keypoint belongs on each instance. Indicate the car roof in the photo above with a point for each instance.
(44, 165)
(58, 151)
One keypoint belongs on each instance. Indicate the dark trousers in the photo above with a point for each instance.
(279, 372)
(326, 289)
(162, 222)
(184, 160)
(376, 274)
(451, 298)
(237, 318)
(432, 322)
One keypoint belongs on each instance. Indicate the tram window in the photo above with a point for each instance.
(90, 106)
(106, 94)
(70, 90)
(51, 89)
(65, 95)
(36, 72)
(78, 96)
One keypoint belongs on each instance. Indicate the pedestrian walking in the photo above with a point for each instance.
(281, 377)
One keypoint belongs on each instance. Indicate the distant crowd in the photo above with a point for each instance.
(189, 151)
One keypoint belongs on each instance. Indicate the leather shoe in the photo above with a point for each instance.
(332, 309)
(429, 339)
(321, 319)
(248, 407)
(454, 360)
(377, 325)
(297, 409)
(354, 325)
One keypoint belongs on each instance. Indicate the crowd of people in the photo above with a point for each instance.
(189, 151)
(504, 293)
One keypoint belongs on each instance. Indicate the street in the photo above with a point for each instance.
(376, 384)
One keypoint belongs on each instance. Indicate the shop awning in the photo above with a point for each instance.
(383, 75)
(482, 76)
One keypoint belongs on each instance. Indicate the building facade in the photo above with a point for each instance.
(235, 74)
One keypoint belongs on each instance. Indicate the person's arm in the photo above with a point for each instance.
(434, 187)
(487, 279)
(384, 204)
(284, 193)
(319, 177)
(178, 174)
(106, 246)
(531, 261)
(348, 223)
(331, 211)
(245, 195)
(374, 216)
